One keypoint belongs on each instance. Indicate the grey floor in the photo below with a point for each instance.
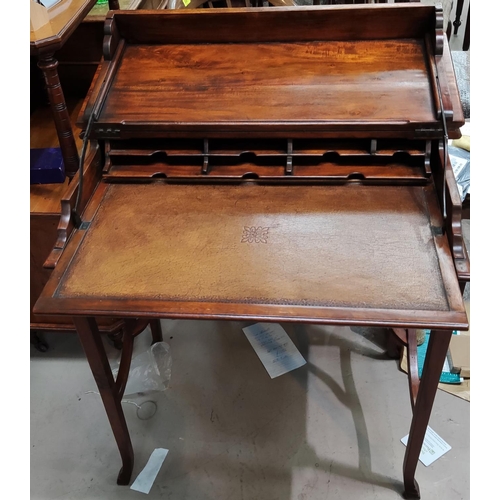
(328, 430)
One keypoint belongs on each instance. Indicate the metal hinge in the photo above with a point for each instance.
(109, 132)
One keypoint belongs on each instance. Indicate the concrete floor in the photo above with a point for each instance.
(330, 429)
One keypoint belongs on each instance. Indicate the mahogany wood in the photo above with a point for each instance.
(48, 64)
(126, 358)
(433, 365)
(91, 341)
(76, 66)
(129, 110)
(412, 365)
(156, 331)
(396, 340)
(51, 225)
(250, 172)
(42, 237)
(52, 36)
(47, 225)
(44, 42)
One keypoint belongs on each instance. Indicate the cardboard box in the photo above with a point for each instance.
(39, 16)
(459, 355)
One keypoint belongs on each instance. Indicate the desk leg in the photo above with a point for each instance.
(434, 361)
(156, 332)
(91, 340)
(457, 22)
(466, 43)
(48, 64)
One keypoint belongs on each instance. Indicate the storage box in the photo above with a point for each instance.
(459, 355)
(46, 166)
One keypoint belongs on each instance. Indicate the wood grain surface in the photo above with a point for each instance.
(314, 81)
(46, 198)
(63, 20)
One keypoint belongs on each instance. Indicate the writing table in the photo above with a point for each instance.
(280, 165)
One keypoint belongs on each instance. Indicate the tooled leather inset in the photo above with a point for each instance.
(253, 234)
(306, 245)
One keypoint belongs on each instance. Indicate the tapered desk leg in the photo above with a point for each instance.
(91, 340)
(48, 64)
(156, 332)
(466, 43)
(433, 366)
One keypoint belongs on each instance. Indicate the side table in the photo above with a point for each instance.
(44, 42)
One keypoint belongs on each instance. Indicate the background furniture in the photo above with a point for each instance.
(44, 42)
(50, 127)
(466, 43)
(75, 36)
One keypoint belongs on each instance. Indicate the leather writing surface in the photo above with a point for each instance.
(355, 246)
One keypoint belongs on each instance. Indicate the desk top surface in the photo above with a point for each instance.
(338, 254)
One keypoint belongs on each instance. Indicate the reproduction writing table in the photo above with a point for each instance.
(280, 164)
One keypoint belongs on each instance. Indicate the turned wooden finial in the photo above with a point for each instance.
(439, 45)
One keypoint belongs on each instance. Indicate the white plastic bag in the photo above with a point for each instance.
(460, 163)
(149, 372)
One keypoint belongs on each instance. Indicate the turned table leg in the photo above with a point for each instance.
(433, 366)
(111, 391)
(457, 23)
(48, 64)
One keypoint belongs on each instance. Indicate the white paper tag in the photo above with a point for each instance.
(144, 481)
(274, 348)
(457, 164)
(434, 447)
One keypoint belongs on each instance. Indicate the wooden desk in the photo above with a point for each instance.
(260, 165)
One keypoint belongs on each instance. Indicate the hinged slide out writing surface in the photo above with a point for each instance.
(329, 253)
